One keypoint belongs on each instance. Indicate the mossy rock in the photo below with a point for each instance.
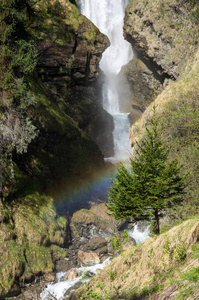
(12, 263)
(84, 217)
(38, 259)
(57, 252)
(36, 220)
(31, 241)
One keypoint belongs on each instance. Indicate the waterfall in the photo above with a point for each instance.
(108, 16)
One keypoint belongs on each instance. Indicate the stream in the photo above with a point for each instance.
(62, 288)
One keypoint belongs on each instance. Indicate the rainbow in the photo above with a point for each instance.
(81, 193)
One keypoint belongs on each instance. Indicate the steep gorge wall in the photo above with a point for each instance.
(165, 38)
(66, 97)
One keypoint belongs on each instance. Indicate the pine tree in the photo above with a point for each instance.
(153, 183)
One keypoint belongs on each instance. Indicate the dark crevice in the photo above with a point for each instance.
(158, 72)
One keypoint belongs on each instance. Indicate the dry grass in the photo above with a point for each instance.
(159, 259)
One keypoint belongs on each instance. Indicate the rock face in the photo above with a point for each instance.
(143, 86)
(66, 98)
(75, 58)
(88, 258)
(158, 31)
(164, 36)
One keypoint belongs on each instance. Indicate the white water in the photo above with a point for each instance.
(108, 16)
(59, 289)
(139, 236)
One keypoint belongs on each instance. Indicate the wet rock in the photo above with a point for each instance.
(49, 277)
(65, 264)
(88, 258)
(103, 258)
(71, 274)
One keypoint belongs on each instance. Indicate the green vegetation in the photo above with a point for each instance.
(18, 59)
(95, 295)
(27, 229)
(117, 241)
(153, 184)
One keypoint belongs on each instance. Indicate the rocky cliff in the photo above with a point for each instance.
(164, 36)
(66, 99)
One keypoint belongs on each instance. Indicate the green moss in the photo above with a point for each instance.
(90, 36)
(12, 262)
(38, 259)
(36, 220)
(57, 252)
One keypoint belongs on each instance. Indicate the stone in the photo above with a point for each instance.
(87, 224)
(88, 258)
(95, 243)
(49, 277)
(142, 84)
(102, 212)
(64, 265)
(103, 258)
(102, 250)
(71, 274)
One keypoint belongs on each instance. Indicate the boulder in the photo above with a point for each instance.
(71, 274)
(49, 277)
(101, 251)
(88, 258)
(102, 212)
(86, 224)
(95, 243)
(64, 265)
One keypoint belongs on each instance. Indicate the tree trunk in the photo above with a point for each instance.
(157, 222)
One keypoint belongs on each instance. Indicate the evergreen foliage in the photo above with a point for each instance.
(152, 185)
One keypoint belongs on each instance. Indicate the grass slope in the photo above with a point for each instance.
(165, 265)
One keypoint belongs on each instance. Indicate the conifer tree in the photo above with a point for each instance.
(152, 185)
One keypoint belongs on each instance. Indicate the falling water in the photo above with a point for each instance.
(108, 16)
